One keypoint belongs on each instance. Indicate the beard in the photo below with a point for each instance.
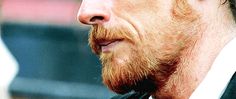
(141, 71)
(142, 63)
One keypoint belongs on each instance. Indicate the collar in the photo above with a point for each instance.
(218, 77)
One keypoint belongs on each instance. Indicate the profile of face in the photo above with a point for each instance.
(139, 42)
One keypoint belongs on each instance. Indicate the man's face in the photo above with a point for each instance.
(139, 42)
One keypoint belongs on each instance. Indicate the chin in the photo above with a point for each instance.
(122, 74)
(133, 69)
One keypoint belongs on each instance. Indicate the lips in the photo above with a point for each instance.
(106, 46)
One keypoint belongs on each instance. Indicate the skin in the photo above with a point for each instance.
(161, 47)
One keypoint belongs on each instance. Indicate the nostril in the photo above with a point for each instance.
(96, 18)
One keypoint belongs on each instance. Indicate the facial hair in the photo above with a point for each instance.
(147, 66)
(147, 63)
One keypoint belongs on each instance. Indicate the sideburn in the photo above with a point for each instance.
(182, 11)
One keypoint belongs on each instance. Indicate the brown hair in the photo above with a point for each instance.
(233, 7)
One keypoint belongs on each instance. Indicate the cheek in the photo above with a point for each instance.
(135, 9)
(135, 6)
(154, 19)
(146, 16)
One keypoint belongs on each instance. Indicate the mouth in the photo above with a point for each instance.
(106, 46)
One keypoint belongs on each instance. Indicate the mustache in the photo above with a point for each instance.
(99, 34)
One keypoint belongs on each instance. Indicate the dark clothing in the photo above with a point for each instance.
(230, 92)
(132, 95)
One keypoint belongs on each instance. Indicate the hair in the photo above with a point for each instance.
(233, 7)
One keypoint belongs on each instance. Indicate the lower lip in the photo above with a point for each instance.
(109, 47)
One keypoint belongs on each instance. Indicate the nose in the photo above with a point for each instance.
(93, 12)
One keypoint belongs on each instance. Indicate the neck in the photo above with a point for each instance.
(197, 60)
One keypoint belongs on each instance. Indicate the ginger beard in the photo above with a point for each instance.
(143, 64)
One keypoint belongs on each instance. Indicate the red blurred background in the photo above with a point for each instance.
(43, 11)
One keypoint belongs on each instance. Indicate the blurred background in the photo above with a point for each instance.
(55, 61)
